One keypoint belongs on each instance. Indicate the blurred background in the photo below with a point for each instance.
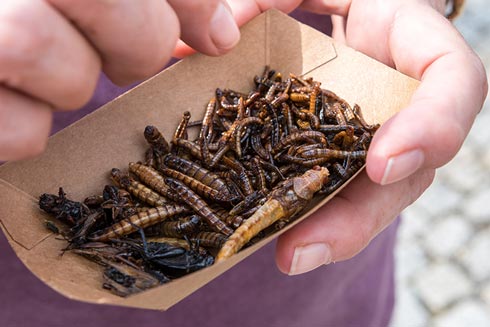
(443, 250)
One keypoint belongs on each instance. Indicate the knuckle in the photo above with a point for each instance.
(80, 89)
(22, 41)
(448, 141)
(35, 58)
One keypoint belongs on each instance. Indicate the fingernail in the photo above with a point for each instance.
(309, 257)
(224, 31)
(402, 165)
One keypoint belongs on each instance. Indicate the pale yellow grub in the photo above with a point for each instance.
(267, 214)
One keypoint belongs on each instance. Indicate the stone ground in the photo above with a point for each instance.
(443, 251)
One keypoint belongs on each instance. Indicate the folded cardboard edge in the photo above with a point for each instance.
(17, 203)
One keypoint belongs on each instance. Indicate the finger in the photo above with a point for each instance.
(135, 39)
(25, 124)
(207, 26)
(429, 132)
(43, 55)
(242, 12)
(246, 10)
(346, 224)
(327, 7)
(338, 28)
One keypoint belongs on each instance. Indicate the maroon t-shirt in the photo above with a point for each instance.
(357, 292)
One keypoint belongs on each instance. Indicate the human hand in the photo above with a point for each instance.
(52, 52)
(415, 38)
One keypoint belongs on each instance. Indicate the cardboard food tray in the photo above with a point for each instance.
(80, 157)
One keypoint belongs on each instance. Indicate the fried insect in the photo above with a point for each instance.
(303, 136)
(190, 147)
(299, 97)
(138, 221)
(180, 228)
(159, 146)
(117, 203)
(199, 206)
(198, 187)
(181, 130)
(80, 231)
(241, 174)
(225, 216)
(63, 209)
(201, 175)
(121, 276)
(124, 280)
(171, 260)
(152, 178)
(285, 201)
(332, 154)
(177, 242)
(51, 227)
(137, 189)
(209, 239)
(247, 203)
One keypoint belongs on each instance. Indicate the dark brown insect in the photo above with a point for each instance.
(152, 178)
(180, 228)
(138, 221)
(173, 261)
(124, 280)
(200, 174)
(63, 209)
(304, 136)
(209, 239)
(177, 242)
(137, 189)
(199, 206)
(181, 131)
(195, 185)
(159, 146)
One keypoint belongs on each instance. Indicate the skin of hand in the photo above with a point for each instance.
(52, 53)
(414, 37)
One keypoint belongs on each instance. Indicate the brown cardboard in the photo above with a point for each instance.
(80, 157)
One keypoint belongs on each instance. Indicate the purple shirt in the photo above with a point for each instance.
(357, 292)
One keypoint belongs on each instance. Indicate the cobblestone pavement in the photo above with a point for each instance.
(443, 252)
